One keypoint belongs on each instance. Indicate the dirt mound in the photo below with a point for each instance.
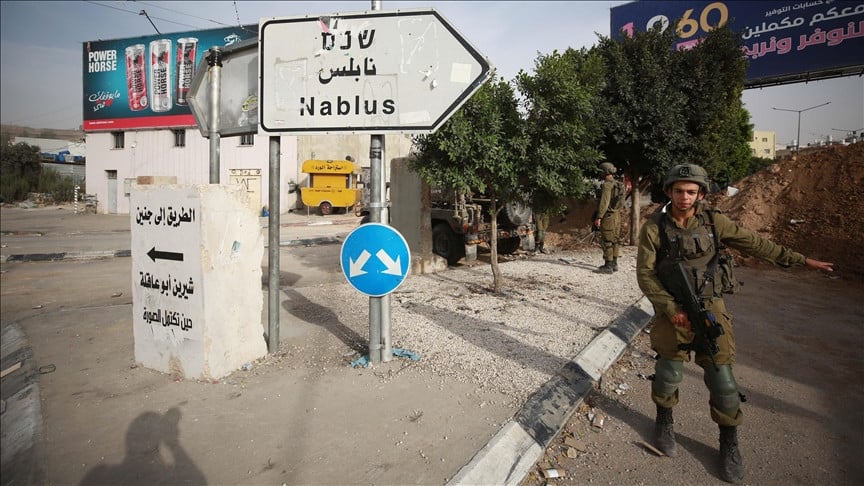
(812, 203)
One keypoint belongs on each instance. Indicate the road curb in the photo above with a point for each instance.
(66, 255)
(21, 418)
(511, 454)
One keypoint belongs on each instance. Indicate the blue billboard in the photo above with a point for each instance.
(782, 39)
(143, 82)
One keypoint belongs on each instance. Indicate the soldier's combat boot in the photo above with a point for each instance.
(664, 432)
(615, 264)
(605, 268)
(731, 465)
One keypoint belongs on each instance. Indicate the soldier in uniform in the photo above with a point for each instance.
(609, 217)
(689, 232)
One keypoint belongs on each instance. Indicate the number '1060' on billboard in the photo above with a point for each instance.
(143, 82)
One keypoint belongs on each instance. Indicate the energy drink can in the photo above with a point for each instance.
(187, 48)
(160, 75)
(136, 77)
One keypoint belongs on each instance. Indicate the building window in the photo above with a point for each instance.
(179, 138)
(765, 139)
(119, 140)
(247, 140)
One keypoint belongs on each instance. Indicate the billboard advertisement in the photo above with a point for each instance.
(143, 82)
(781, 38)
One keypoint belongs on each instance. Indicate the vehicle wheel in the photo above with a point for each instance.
(517, 214)
(446, 244)
(325, 208)
(507, 246)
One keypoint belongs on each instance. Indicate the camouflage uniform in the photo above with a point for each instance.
(610, 219)
(663, 244)
(542, 223)
(665, 337)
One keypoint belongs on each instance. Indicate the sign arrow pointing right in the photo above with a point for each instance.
(393, 267)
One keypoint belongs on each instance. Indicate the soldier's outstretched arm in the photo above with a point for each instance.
(819, 265)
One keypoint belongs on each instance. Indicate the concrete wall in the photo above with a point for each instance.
(410, 215)
(152, 153)
(196, 279)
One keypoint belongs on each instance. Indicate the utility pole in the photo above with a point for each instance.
(144, 13)
(798, 139)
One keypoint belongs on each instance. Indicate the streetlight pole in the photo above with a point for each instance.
(798, 139)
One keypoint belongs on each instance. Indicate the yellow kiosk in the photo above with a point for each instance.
(332, 184)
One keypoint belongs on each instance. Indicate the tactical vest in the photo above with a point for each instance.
(619, 194)
(694, 247)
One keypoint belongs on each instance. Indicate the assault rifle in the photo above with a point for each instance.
(702, 321)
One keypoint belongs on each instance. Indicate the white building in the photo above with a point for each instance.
(116, 159)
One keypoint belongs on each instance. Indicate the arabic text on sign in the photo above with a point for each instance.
(164, 216)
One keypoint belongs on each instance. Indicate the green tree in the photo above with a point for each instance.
(480, 150)
(562, 128)
(644, 109)
(712, 74)
(666, 107)
(20, 168)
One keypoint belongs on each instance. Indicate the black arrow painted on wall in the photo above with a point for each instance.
(165, 255)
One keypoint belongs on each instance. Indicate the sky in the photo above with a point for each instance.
(41, 51)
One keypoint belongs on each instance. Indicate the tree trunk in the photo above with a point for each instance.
(493, 245)
(635, 211)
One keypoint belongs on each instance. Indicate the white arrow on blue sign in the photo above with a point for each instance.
(375, 259)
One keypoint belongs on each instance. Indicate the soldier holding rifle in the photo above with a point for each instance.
(680, 252)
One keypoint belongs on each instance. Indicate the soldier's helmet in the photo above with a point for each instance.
(686, 172)
(607, 168)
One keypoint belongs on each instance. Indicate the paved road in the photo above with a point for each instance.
(799, 341)
(301, 416)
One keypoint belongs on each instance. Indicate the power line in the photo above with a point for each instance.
(138, 13)
(156, 5)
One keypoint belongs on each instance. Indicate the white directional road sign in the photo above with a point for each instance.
(375, 259)
(365, 72)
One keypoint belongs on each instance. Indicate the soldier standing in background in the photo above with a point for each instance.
(687, 232)
(612, 195)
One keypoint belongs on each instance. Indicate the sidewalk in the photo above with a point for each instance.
(284, 420)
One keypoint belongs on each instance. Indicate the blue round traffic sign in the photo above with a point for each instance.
(375, 259)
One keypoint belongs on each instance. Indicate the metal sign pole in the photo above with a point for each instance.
(379, 307)
(214, 60)
(376, 304)
(273, 249)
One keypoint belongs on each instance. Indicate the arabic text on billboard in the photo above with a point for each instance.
(781, 38)
(143, 82)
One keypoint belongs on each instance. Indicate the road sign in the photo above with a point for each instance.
(238, 108)
(365, 72)
(375, 259)
(167, 279)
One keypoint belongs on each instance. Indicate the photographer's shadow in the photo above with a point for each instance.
(144, 464)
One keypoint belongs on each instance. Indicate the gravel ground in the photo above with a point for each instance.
(512, 342)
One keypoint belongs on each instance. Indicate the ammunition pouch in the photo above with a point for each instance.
(729, 284)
